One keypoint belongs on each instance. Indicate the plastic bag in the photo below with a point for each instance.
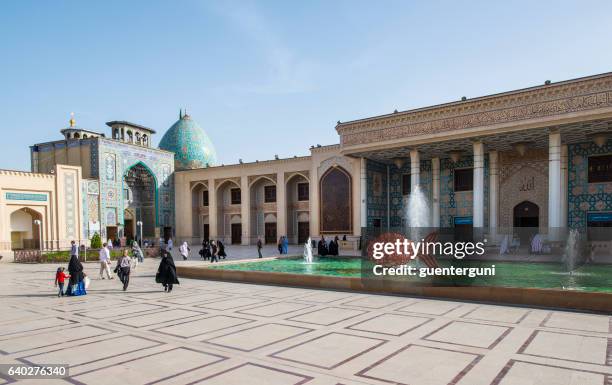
(87, 282)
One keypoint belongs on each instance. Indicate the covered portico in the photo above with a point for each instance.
(481, 161)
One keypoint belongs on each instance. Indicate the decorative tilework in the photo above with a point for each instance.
(159, 163)
(377, 203)
(110, 169)
(110, 216)
(93, 187)
(459, 203)
(398, 202)
(26, 197)
(451, 203)
(69, 203)
(94, 155)
(90, 207)
(191, 146)
(583, 196)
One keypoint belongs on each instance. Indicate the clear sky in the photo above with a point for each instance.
(273, 77)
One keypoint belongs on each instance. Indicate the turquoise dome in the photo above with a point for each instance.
(191, 146)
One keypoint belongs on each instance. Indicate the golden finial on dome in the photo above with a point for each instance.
(72, 121)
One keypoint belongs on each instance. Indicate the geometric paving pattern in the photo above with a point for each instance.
(209, 332)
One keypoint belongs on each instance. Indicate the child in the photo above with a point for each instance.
(60, 278)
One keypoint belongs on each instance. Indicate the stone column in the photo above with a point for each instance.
(435, 194)
(564, 192)
(245, 209)
(281, 205)
(493, 192)
(388, 188)
(415, 169)
(314, 201)
(363, 190)
(478, 193)
(183, 207)
(554, 180)
(213, 210)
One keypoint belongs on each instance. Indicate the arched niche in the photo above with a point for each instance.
(335, 192)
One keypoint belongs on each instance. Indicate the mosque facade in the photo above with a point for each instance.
(119, 187)
(537, 158)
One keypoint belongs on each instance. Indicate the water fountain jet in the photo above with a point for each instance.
(308, 251)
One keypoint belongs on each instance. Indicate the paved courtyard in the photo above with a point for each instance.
(232, 333)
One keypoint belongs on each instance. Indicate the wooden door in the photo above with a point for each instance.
(270, 233)
(206, 231)
(303, 232)
(236, 233)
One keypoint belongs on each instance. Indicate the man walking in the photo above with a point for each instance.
(105, 262)
(73, 249)
(259, 247)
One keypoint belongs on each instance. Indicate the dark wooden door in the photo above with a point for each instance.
(206, 232)
(128, 229)
(526, 221)
(303, 232)
(167, 233)
(236, 233)
(270, 232)
(111, 233)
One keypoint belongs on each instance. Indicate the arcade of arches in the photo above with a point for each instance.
(272, 199)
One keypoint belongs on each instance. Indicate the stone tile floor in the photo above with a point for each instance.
(232, 333)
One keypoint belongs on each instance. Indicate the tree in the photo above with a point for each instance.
(96, 241)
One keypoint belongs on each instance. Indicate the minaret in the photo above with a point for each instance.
(72, 121)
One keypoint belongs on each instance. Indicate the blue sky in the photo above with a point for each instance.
(273, 77)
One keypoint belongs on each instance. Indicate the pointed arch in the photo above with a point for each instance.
(199, 184)
(155, 186)
(335, 194)
(224, 182)
(260, 177)
(297, 174)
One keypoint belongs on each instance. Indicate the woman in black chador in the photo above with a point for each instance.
(76, 285)
(221, 253)
(166, 273)
(205, 252)
(333, 246)
(322, 247)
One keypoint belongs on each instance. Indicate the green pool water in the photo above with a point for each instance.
(596, 278)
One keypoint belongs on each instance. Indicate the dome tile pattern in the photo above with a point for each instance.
(191, 145)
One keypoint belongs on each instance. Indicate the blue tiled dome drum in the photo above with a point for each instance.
(191, 146)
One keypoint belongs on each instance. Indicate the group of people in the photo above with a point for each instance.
(78, 280)
(213, 251)
(324, 248)
(76, 277)
(283, 245)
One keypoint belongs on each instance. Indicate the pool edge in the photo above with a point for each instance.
(551, 298)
